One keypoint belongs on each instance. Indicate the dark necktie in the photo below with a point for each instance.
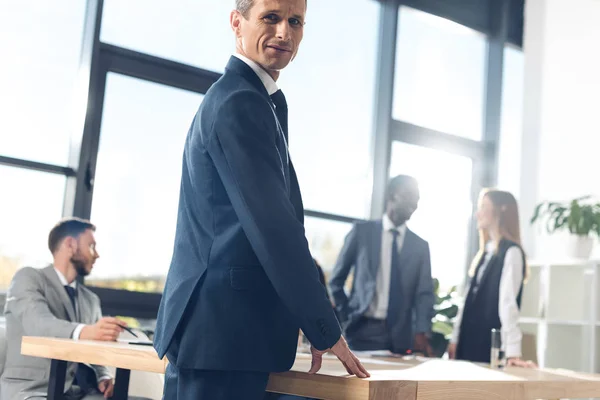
(395, 297)
(281, 110)
(72, 295)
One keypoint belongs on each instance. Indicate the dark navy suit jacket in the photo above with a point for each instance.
(242, 279)
(362, 252)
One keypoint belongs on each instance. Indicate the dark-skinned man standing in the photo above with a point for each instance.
(391, 303)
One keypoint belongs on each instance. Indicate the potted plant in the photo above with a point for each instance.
(446, 308)
(580, 216)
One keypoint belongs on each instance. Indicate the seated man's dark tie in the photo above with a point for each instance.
(72, 292)
(85, 377)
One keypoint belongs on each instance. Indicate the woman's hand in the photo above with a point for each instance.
(517, 362)
(452, 351)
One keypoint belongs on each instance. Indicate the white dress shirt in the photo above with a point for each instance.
(379, 306)
(264, 76)
(508, 310)
(63, 281)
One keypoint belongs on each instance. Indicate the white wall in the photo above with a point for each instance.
(561, 108)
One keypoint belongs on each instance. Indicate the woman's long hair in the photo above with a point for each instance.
(507, 211)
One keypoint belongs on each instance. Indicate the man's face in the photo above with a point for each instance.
(405, 201)
(270, 33)
(85, 254)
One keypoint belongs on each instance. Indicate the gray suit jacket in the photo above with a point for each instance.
(38, 305)
(362, 251)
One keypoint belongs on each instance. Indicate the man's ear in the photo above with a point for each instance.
(235, 20)
(68, 242)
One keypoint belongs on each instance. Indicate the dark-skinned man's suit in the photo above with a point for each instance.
(241, 280)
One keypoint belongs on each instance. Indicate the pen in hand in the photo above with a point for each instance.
(128, 329)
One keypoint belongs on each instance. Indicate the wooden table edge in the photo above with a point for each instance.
(30, 344)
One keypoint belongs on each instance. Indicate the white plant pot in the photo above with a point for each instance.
(580, 247)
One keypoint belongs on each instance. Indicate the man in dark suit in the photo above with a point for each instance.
(391, 303)
(242, 279)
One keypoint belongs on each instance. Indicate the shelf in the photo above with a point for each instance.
(568, 347)
(568, 322)
(529, 320)
(560, 310)
(562, 263)
(569, 294)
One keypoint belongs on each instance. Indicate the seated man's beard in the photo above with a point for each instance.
(79, 265)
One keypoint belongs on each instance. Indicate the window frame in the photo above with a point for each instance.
(501, 21)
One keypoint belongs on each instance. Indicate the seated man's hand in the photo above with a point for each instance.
(107, 329)
(106, 387)
(343, 353)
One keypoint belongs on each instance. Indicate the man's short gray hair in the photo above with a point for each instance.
(244, 6)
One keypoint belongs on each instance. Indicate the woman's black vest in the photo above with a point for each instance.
(480, 314)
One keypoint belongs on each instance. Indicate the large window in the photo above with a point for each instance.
(129, 177)
(445, 209)
(195, 32)
(330, 92)
(136, 193)
(509, 162)
(440, 74)
(325, 239)
(40, 47)
(30, 204)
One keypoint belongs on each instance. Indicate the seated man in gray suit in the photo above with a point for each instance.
(391, 303)
(49, 302)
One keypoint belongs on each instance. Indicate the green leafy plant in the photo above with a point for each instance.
(446, 308)
(580, 216)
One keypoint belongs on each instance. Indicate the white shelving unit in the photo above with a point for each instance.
(560, 307)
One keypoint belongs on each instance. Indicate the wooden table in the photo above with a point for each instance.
(391, 378)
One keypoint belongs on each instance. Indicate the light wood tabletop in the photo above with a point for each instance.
(391, 378)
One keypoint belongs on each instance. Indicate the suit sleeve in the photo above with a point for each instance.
(26, 301)
(346, 260)
(243, 148)
(425, 298)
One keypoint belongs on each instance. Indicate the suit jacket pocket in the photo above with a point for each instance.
(26, 374)
(251, 278)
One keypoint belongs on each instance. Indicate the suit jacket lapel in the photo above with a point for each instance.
(375, 248)
(406, 250)
(491, 264)
(241, 68)
(62, 293)
(295, 196)
(85, 306)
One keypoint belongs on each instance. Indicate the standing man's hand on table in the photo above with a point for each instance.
(422, 344)
(452, 351)
(343, 353)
